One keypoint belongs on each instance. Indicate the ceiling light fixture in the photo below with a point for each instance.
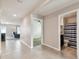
(14, 15)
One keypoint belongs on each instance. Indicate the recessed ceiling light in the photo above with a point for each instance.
(14, 15)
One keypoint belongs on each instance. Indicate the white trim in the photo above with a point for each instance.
(59, 32)
(51, 47)
(25, 44)
(31, 32)
(31, 41)
(42, 30)
(78, 34)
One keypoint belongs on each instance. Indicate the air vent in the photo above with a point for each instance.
(20, 1)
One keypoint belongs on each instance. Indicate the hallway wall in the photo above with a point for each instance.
(26, 31)
(51, 38)
(50, 32)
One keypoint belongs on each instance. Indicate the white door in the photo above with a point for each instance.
(37, 31)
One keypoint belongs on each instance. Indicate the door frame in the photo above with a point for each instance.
(42, 22)
(77, 33)
(60, 18)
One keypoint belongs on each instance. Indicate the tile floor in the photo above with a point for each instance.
(14, 49)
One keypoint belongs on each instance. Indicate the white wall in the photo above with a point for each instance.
(50, 31)
(26, 31)
(51, 37)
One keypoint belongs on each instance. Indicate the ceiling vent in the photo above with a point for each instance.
(20, 1)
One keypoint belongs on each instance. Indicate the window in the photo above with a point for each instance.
(18, 29)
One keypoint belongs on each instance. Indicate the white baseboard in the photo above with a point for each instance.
(51, 47)
(25, 44)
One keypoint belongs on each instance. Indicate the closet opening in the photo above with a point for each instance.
(68, 34)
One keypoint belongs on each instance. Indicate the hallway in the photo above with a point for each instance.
(14, 49)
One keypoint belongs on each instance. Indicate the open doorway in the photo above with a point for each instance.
(68, 33)
(10, 32)
(37, 35)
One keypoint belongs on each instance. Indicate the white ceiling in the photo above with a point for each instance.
(54, 5)
(12, 11)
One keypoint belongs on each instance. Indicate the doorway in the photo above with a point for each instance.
(37, 35)
(68, 34)
(10, 32)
